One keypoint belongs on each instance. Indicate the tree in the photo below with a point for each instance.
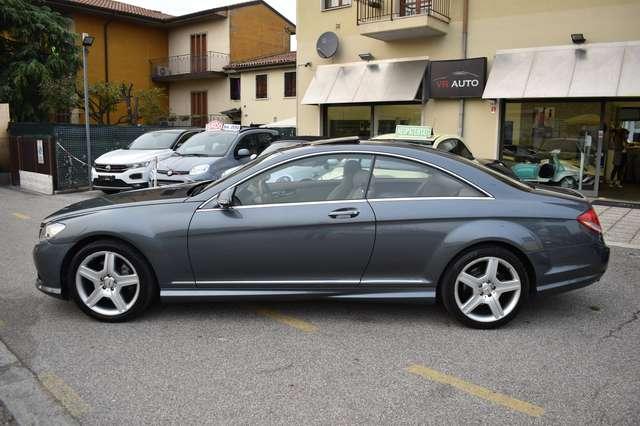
(36, 48)
(149, 105)
(104, 98)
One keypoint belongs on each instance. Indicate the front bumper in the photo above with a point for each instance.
(48, 259)
(129, 179)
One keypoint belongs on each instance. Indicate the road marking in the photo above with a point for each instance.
(64, 394)
(301, 325)
(2, 324)
(22, 216)
(479, 391)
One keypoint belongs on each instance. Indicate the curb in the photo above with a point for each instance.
(24, 397)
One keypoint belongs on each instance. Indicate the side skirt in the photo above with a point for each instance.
(410, 295)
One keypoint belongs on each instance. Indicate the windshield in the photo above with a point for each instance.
(208, 144)
(155, 140)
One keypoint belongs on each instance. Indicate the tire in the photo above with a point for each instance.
(478, 291)
(118, 292)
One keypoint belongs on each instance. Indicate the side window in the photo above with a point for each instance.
(185, 137)
(320, 178)
(249, 142)
(398, 178)
(264, 140)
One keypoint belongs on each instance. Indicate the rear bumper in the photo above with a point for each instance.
(571, 268)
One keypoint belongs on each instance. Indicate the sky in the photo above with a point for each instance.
(181, 7)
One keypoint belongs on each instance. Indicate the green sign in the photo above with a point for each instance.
(417, 132)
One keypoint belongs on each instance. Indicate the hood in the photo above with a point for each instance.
(172, 194)
(185, 163)
(131, 156)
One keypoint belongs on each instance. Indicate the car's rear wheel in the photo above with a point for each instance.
(111, 281)
(485, 287)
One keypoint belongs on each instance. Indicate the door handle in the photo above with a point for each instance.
(345, 213)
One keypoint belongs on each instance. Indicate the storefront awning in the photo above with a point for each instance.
(376, 81)
(575, 71)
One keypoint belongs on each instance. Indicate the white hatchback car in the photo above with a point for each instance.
(129, 168)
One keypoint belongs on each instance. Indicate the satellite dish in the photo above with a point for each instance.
(327, 45)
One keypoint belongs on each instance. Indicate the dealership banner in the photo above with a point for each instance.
(459, 78)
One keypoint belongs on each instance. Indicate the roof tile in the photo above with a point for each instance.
(265, 61)
(123, 8)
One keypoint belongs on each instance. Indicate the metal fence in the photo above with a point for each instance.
(71, 147)
(385, 10)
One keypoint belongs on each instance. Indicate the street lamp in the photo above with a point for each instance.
(87, 42)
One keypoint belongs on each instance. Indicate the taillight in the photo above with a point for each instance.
(590, 220)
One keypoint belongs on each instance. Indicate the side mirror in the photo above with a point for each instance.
(244, 152)
(253, 156)
(225, 198)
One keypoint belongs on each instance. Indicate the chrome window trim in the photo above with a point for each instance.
(315, 154)
(304, 203)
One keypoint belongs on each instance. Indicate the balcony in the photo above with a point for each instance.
(189, 67)
(390, 20)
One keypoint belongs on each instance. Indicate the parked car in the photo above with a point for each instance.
(275, 146)
(393, 222)
(207, 155)
(129, 168)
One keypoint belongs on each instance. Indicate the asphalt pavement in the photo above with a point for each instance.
(570, 358)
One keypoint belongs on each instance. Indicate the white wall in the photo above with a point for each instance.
(276, 107)
(217, 95)
(217, 37)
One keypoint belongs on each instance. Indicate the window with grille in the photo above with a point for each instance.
(289, 84)
(261, 86)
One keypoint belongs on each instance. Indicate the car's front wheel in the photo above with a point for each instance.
(485, 287)
(110, 281)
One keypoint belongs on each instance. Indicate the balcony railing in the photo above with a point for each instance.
(186, 66)
(388, 10)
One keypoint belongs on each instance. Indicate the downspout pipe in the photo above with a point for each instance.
(465, 36)
(105, 35)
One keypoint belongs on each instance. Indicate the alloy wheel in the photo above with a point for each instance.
(487, 289)
(107, 283)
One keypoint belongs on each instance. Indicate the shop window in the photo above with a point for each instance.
(387, 117)
(343, 121)
(289, 84)
(332, 4)
(234, 86)
(563, 134)
(261, 86)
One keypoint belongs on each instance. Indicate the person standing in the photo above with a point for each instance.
(619, 157)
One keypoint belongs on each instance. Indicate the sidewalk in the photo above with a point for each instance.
(621, 225)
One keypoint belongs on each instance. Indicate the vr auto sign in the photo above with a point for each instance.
(463, 78)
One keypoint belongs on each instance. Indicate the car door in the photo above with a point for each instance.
(302, 224)
(416, 207)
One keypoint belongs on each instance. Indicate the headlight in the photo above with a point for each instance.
(200, 169)
(138, 165)
(50, 230)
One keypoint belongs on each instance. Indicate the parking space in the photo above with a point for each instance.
(571, 358)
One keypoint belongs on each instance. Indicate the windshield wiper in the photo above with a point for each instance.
(194, 155)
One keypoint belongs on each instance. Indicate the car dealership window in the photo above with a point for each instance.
(318, 178)
(398, 178)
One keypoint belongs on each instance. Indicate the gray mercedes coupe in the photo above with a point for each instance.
(350, 220)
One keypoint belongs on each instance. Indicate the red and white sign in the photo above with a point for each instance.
(214, 125)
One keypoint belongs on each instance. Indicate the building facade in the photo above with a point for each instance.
(548, 97)
(204, 46)
(126, 38)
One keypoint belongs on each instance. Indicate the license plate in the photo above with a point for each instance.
(106, 177)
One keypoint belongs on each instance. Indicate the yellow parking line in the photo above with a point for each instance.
(288, 320)
(479, 391)
(22, 216)
(63, 393)
(2, 324)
